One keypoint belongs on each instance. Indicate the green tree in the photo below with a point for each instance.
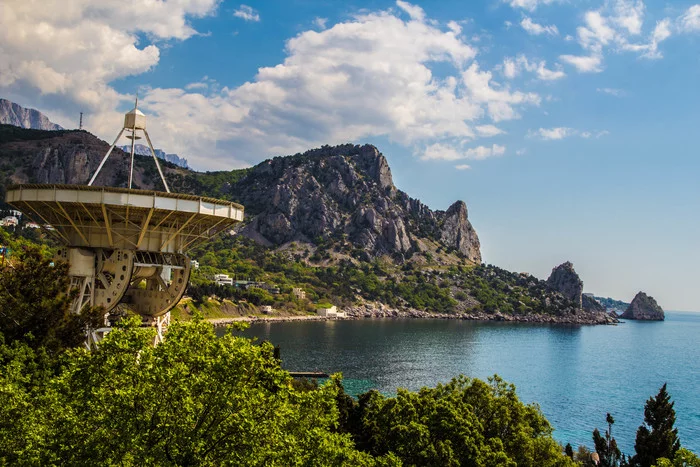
(195, 399)
(683, 458)
(35, 305)
(464, 422)
(569, 451)
(657, 437)
(606, 447)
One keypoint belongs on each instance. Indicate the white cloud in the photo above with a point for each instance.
(553, 133)
(690, 20)
(513, 67)
(447, 152)
(61, 56)
(247, 13)
(488, 130)
(414, 11)
(510, 68)
(629, 15)
(584, 64)
(369, 76)
(463, 167)
(521, 152)
(596, 33)
(197, 85)
(616, 26)
(454, 27)
(320, 22)
(537, 29)
(612, 91)
(530, 5)
(558, 133)
(500, 101)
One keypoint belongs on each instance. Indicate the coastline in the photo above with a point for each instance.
(368, 312)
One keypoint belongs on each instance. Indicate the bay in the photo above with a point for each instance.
(575, 373)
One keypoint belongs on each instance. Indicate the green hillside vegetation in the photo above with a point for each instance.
(427, 286)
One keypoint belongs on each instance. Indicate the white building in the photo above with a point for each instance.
(9, 221)
(299, 293)
(331, 312)
(223, 279)
(266, 309)
(195, 264)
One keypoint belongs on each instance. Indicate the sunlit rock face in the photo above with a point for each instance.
(644, 307)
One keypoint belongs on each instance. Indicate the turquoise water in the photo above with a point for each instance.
(575, 373)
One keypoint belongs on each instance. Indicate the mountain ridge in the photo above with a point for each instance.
(14, 114)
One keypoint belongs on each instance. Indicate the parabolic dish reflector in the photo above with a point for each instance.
(121, 218)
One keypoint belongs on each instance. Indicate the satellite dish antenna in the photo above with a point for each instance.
(133, 120)
(125, 246)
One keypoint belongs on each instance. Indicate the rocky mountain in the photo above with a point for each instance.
(15, 114)
(345, 194)
(566, 281)
(644, 307)
(143, 150)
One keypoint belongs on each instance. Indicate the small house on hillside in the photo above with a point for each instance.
(330, 312)
(223, 279)
(299, 293)
(266, 309)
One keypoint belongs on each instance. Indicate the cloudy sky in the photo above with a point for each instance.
(570, 127)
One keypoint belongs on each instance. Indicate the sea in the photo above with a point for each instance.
(576, 374)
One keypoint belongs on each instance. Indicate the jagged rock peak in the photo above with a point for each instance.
(457, 232)
(644, 307)
(366, 158)
(564, 280)
(15, 114)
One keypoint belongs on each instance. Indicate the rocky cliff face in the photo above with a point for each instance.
(644, 307)
(144, 150)
(565, 280)
(14, 114)
(345, 193)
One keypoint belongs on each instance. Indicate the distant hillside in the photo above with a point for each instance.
(15, 114)
(611, 304)
(143, 150)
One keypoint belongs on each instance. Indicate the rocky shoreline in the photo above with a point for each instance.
(367, 311)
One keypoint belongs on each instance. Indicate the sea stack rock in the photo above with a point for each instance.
(458, 232)
(565, 281)
(644, 307)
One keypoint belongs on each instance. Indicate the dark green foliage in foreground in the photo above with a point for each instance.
(657, 443)
(464, 422)
(34, 305)
(656, 438)
(606, 447)
(194, 400)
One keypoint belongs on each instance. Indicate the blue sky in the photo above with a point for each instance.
(570, 128)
